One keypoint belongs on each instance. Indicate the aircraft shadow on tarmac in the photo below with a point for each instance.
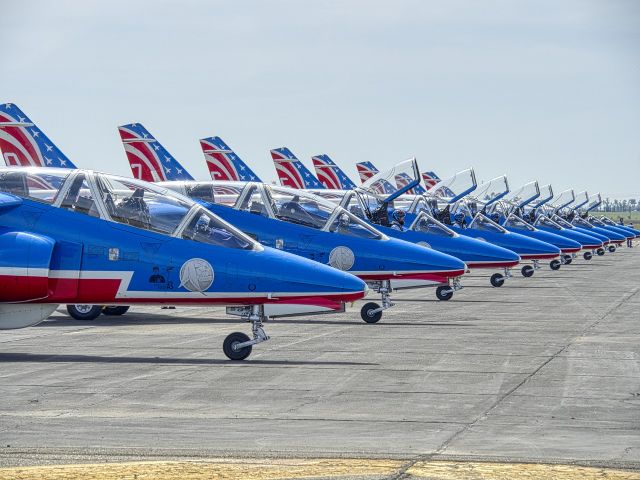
(20, 357)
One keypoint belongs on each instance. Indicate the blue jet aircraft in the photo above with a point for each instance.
(76, 236)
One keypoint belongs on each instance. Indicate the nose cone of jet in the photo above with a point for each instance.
(528, 247)
(295, 274)
(586, 241)
(477, 253)
(559, 241)
(406, 258)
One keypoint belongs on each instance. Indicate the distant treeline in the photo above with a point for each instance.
(608, 205)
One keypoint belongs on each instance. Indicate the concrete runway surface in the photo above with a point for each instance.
(544, 370)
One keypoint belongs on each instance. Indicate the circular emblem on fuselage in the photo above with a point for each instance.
(196, 275)
(341, 258)
(424, 244)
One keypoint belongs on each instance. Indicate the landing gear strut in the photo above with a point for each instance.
(371, 312)
(237, 345)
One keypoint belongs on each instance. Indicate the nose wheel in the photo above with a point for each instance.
(567, 259)
(527, 271)
(555, 264)
(444, 292)
(587, 255)
(498, 279)
(237, 345)
(612, 248)
(600, 251)
(371, 312)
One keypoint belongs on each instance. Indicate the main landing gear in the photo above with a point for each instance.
(371, 312)
(91, 312)
(445, 292)
(498, 279)
(237, 345)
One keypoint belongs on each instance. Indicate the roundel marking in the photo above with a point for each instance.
(196, 275)
(342, 258)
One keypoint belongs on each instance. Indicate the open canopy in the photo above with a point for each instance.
(455, 187)
(392, 183)
(492, 191)
(523, 195)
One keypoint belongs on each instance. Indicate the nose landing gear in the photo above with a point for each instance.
(527, 271)
(587, 255)
(498, 279)
(237, 345)
(555, 264)
(371, 312)
(445, 292)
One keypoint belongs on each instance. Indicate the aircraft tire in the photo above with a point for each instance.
(84, 312)
(612, 248)
(555, 264)
(497, 280)
(568, 259)
(587, 255)
(444, 293)
(600, 252)
(115, 310)
(527, 271)
(230, 341)
(367, 315)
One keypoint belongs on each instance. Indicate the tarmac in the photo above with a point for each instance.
(539, 376)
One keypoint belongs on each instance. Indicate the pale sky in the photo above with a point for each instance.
(546, 90)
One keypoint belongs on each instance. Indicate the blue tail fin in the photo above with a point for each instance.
(223, 163)
(291, 172)
(22, 143)
(330, 174)
(148, 159)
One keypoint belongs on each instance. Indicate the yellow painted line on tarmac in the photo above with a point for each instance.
(276, 469)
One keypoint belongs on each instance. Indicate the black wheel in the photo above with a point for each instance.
(444, 293)
(612, 248)
(568, 259)
(587, 255)
(497, 279)
(115, 311)
(555, 264)
(600, 251)
(84, 312)
(527, 271)
(231, 341)
(368, 314)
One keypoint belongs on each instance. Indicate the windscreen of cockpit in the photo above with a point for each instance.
(580, 200)
(483, 223)
(544, 221)
(205, 227)
(523, 195)
(546, 194)
(561, 221)
(41, 185)
(581, 222)
(346, 223)
(297, 207)
(456, 186)
(425, 223)
(389, 182)
(514, 221)
(594, 202)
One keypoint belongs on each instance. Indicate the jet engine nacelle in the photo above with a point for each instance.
(24, 266)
